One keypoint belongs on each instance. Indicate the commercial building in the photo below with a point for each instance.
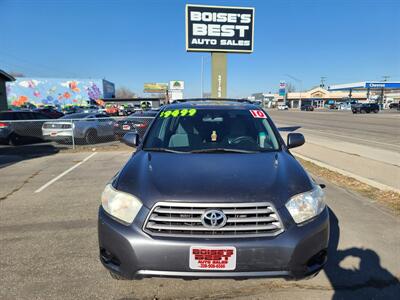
(383, 92)
(366, 91)
(36, 92)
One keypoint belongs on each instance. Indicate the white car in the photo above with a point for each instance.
(283, 107)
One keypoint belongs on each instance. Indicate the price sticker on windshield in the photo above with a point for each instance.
(259, 114)
(178, 113)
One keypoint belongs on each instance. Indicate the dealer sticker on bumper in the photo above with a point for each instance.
(212, 258)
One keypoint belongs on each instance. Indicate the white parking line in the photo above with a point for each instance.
(64, 173)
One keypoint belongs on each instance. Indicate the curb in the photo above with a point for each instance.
(370, 182)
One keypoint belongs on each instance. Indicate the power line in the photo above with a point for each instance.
(37, 65)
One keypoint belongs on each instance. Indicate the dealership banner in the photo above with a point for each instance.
(219, 28)
(155, 87)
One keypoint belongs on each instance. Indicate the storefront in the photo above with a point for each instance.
(319, 97)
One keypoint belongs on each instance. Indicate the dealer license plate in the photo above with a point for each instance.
(126, 127)
(212, 258)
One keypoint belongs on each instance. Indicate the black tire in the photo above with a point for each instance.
(14, 139)
(116, 276)
(91, 136)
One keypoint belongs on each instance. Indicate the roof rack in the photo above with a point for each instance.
(212, 99)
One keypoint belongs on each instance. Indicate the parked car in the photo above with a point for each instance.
(17, 127)
(363, 108)
(213, 192)
(344, 106)
(394, 105)
(72, 110)
(307, 107)
(137, 122)
(50, 112)
(333, 106)
(83, 127)
(283, 107)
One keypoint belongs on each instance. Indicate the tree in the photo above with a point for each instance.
(124, 92)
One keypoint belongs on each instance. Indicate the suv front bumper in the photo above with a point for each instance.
(297, 253)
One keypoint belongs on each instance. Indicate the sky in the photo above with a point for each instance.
(132, 42)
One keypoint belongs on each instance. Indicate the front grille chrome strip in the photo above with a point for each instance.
(178, 219)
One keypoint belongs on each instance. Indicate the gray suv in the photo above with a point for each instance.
(212, 191)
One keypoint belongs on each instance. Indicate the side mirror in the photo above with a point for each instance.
(131, 139)
(295, 140)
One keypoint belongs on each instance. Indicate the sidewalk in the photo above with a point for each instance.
(374, 166)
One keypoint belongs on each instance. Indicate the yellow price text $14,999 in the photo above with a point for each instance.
(178, 113)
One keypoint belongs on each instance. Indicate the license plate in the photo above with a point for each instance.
(126, 127)
(53, 133)
(212, 258)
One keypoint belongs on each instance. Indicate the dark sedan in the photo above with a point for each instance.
(307, 107)
(137, 122)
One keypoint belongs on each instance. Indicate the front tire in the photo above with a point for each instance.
(116, 276)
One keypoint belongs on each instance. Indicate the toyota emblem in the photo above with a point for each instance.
(213, 219)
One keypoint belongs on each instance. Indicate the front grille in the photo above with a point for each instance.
(56, 126)
(184, 219)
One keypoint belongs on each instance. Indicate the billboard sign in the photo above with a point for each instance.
(155, 87)
(176, 85)
(219, 28)
(382, 85)
(282, 88)
(108, 89)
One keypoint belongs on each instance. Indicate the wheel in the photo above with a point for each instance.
(116, 276)
(91, 136)
(14, 140)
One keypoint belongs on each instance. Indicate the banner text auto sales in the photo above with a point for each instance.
(219, 29)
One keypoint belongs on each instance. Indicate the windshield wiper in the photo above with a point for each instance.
(163, 150)
(216, 150)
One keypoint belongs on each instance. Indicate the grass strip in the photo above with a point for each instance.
(390, 199)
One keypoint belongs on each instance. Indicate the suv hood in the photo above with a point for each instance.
(207, 177)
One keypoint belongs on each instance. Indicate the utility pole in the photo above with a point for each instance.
(323, 78)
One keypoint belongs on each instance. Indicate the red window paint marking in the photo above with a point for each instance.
(259, 114)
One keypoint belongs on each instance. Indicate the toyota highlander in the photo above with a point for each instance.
(212, 191)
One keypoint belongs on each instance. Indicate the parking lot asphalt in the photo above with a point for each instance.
(48, 239)
(364, 146)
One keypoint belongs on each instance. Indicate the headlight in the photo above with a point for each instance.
(305, 206)
(120, 205)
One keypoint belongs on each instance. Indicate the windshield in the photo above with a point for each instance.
(199, 130)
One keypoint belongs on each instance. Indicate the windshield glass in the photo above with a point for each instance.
(191, 130)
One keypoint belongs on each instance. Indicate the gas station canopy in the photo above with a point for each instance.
(379, 85)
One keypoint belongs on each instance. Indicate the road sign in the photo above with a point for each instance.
(219, 28)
